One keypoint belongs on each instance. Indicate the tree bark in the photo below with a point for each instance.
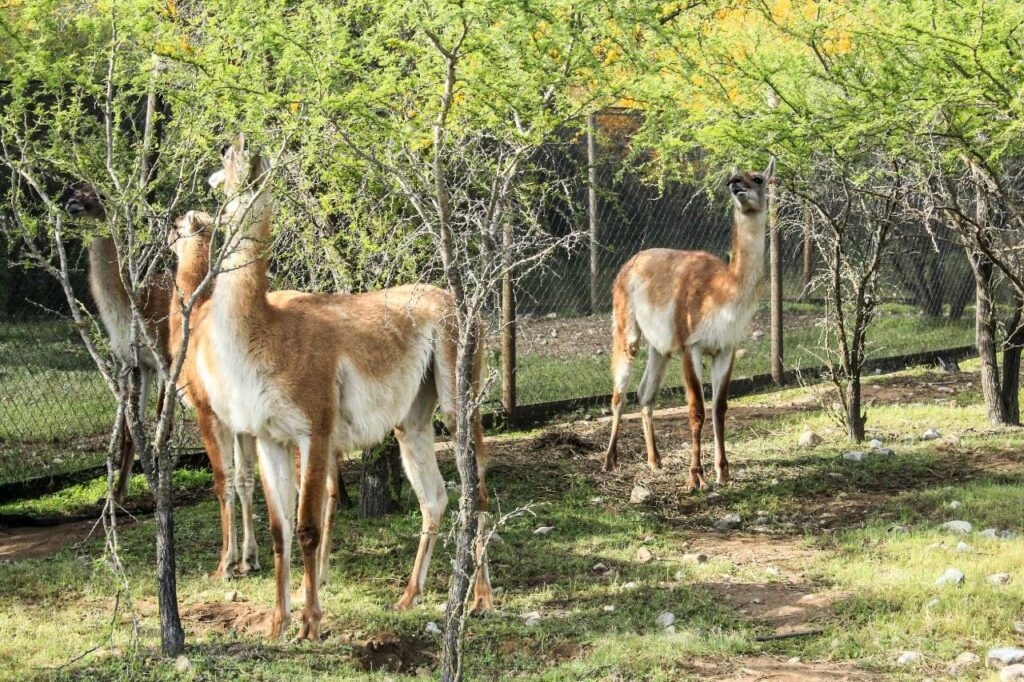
(775, 274)
(463, 567)
(854, 416)
(592, 210)
(172, 636)
(1010, 389)
(380, 486)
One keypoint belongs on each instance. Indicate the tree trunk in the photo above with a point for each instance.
(463, 567)
(381, 483)
(959, 297)
(985, 338)
(344, 501)
(775, 274)
(172, 636)
(592, 211)
(854, 416)
(508, 329)
(808, 252)
(1011, 364)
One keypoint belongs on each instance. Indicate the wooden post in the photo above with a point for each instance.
(775, 275)
(508, 332)
(592, 209)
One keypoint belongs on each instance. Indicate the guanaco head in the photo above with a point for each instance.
(749, 189)
(85, 202)
(190, 228)
(241, 168)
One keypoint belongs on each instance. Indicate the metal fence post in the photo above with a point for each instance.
(775, 276)
(508, 333)
(592, 208)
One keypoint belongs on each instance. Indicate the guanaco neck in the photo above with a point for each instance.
(193, 266)
(240, 297)
(105, 282)
(746, 264)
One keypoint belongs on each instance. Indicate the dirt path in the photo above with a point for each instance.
(40, 542)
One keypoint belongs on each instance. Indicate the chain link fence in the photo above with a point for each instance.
(56, 412)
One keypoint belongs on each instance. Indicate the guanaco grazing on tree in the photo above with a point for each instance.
(114, 306)
(323, 372)
(232, 456)
(694, 304)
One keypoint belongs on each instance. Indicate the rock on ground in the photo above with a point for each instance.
(808, 439)
(961, 527)
(931, 434)
(644, 555)
(1004, 656)
(999, 579)
(855, 456)
(432, 628)
(963, 662)
(952, 576)
(729, 522)
(909, 658)
(543, 530)
(640, 495)
(665, 619)
(1012, 673)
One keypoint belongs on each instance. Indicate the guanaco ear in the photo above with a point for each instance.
(769, 172)
(734, 172)
(217, 179)
(238, 142)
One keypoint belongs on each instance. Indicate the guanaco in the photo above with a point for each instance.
(323, 372)
(114, 306)
(693, 303)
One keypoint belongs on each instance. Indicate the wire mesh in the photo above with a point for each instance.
(56, 413)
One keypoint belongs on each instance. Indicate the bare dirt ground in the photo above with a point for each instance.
(40, 542)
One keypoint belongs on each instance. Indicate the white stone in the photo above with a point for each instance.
(640, 494)
(756, 335)
(908, 658)
(931, 434)
(543, 530)
(1012, 673)
(670, 630)
(960, 527)
(452, 485)
(1004, 656)
(883, 452)
(599, 567)
(762, 520)
(963, 547)
(532, 618)
(1006, 535)
(951, 577)
(608, 608)
(965, 660)
(793, 661)
(695, 558)
(874, 444)
(955, 504)
(596, 500)
(182, 664)
(233, 595)
(808, 439)
(644, 555)
(665, 619)
(999, 579)
(991, 533)
(630, 585)
(855, 456)
(729, 522)
(432, 628)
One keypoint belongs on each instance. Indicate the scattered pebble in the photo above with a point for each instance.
(855, 456)
(931, 434)
(951, 577)
(608, 608)
(1012, 673)
(695, 558)
(1006, 535)
(432, 628)
(599, 567)
(451, 485)
(532, 618)
(961, 527)
(233, 595)
(630, 585)
(756, 335)
(874, 444)
(596, 500)
(884, 452)
(955, 504)
(775, 481)
(543, 530)
(963, 547)
(808, 439)
(729, 522)
(908, 658)
(762, 520)
(1004, 656)
(640, 495)
(898, 529)
(713, 495)
(961, 663)
(991, 533)
(665, 619)
(644, 555)
(999, 579)
(670, 630)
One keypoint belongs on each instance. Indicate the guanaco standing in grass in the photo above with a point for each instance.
(114, 306)
(693, 303)
(321, 372)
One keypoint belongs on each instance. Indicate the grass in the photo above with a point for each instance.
(830, 534)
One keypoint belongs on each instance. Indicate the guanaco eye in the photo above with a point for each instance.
(224, 149)
(758, 180)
